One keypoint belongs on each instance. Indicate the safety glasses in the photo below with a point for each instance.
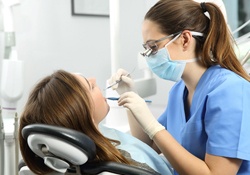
(151, 46)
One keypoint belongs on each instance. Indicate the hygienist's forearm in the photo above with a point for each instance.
(182, 161)
(186, 163)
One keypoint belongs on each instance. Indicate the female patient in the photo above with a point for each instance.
(72, 101)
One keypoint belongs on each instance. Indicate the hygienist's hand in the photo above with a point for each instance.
(126, 85)
(140, 110)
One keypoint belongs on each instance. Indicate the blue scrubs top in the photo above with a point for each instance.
(219, 117)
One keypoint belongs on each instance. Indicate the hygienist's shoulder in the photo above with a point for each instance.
(224, 76)
(217, 80)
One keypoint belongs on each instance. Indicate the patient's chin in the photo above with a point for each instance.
(108, 108)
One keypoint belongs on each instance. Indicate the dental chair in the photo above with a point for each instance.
(68, 152)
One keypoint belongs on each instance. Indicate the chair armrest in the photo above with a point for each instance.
(114, 167)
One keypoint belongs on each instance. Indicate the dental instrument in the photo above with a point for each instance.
(247, 57)
(11, 91)
(1, 143)
(242, 44)
(241, 27)
(117, 81)
(116, 98)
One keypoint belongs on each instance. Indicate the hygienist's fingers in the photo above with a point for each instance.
(127, 80)
(120, 73)
(117, 76)
(115, 86)
(128, 98)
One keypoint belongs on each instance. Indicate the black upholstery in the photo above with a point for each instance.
(82, 141)
(21, 164)
(114, 167)
(74, 137)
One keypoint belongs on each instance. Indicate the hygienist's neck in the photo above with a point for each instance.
(192, 74)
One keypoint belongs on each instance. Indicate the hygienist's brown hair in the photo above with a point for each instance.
(217, 45)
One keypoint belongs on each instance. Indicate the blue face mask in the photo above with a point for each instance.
(162, 65)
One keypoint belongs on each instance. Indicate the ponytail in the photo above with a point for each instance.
(219, 44)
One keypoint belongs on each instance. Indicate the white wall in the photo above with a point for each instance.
(48, 38)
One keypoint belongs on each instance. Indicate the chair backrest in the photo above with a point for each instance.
(67, 151)
(52, 144)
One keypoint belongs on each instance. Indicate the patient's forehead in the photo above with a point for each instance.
(82, 80)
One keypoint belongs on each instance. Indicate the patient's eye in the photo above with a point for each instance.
(93, 85)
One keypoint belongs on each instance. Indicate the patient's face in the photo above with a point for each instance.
(100, 103)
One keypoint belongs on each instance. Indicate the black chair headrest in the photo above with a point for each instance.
(76, 138)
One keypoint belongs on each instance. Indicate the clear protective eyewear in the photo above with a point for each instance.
(151, 46)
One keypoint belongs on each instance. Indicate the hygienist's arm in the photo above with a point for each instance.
(137, 132)
(187, 164)
(180, 159)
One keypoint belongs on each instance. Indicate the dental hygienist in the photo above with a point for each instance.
(205, 127)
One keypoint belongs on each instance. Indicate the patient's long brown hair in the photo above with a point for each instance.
(61, 100)
(217, 45)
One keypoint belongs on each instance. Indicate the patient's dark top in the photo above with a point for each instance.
(136, 163)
